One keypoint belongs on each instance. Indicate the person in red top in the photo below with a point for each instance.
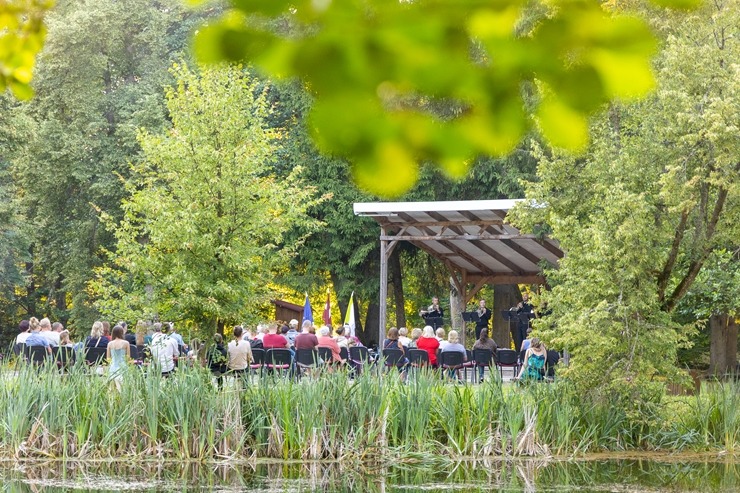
(429, 343)
(274, 340)
(325, 340)
(306, 339)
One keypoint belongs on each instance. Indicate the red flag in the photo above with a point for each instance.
(327, 310)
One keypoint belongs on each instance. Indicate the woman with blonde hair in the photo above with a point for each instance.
(97, 339)
(429, 343)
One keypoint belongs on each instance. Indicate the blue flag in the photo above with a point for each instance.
(307, 312)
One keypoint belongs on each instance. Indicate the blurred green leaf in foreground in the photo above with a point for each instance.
(508, 65)
(22, 34)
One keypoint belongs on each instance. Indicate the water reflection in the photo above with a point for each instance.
(429, 476)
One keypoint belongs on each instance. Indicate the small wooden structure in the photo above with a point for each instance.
(285, 310)
(470, 237)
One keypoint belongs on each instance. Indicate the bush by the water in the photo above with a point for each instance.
(374, 418)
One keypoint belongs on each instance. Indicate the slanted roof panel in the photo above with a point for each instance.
(468, 235)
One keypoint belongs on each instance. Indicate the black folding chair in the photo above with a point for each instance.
(394, 358)
(482, 358)
(258, 357)
(306, 359)
(37, 355)
(344, 353)
(326, 355)
(507, 358)
(278, 360)
(95, 356)
(451, 361)
(64, 356)
(359, 357)
(469, 363)
(135, 355)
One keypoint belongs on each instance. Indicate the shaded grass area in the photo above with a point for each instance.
(372, 418)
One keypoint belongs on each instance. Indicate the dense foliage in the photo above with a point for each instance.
(641, 211)
(205, 218)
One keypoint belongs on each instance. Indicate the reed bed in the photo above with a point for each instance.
(372, 418)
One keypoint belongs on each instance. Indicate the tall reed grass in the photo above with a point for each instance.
(374, 418)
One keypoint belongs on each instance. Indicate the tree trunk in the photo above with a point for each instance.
(369, 333)
(722, 344)
(457, 306)
(394, 267)
(504, 297)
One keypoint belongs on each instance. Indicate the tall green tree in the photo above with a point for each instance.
(640, 213)
(100, 79)
(203, 230)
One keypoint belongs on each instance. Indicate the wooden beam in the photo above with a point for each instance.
(453, 226)
(497, 256)
(465, 255)
(477, 287)
(464, 237)
(523, 252)
(526, 278)
(551, 248)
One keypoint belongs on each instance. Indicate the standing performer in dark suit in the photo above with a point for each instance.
(433, 313)
(484, 318)
(526, 312)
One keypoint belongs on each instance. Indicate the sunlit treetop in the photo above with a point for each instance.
(362, 60)
(22, 33)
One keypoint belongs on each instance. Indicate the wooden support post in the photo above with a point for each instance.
(383, 307)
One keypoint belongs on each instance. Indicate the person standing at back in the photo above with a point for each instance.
(484, 318)
(164, 350)
(118, 353)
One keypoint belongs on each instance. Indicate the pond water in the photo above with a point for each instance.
(669, 474)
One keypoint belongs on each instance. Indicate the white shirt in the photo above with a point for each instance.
(405, 341)
(22, 337)
(51, 336)
(164, 349)
(239, 356)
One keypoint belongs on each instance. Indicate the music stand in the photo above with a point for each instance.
(434, 322)
(470, 317)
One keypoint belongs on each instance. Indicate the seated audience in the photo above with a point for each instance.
(96, 337)
(429, 343)
(35, 338)
(453, 345)
(533, 367)
(392, 342)
(217, 359)
(403, 333)
(64, 340)
(441, 337)
(45, 331)
(240, 352)
(273, 340)
(325, 340)
(23, 332)
(292, 332)
(306, 339)
(484, 342)
(415, 334)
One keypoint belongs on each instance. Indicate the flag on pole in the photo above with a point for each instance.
(307, 312)
(349, 317)
(327, 310)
